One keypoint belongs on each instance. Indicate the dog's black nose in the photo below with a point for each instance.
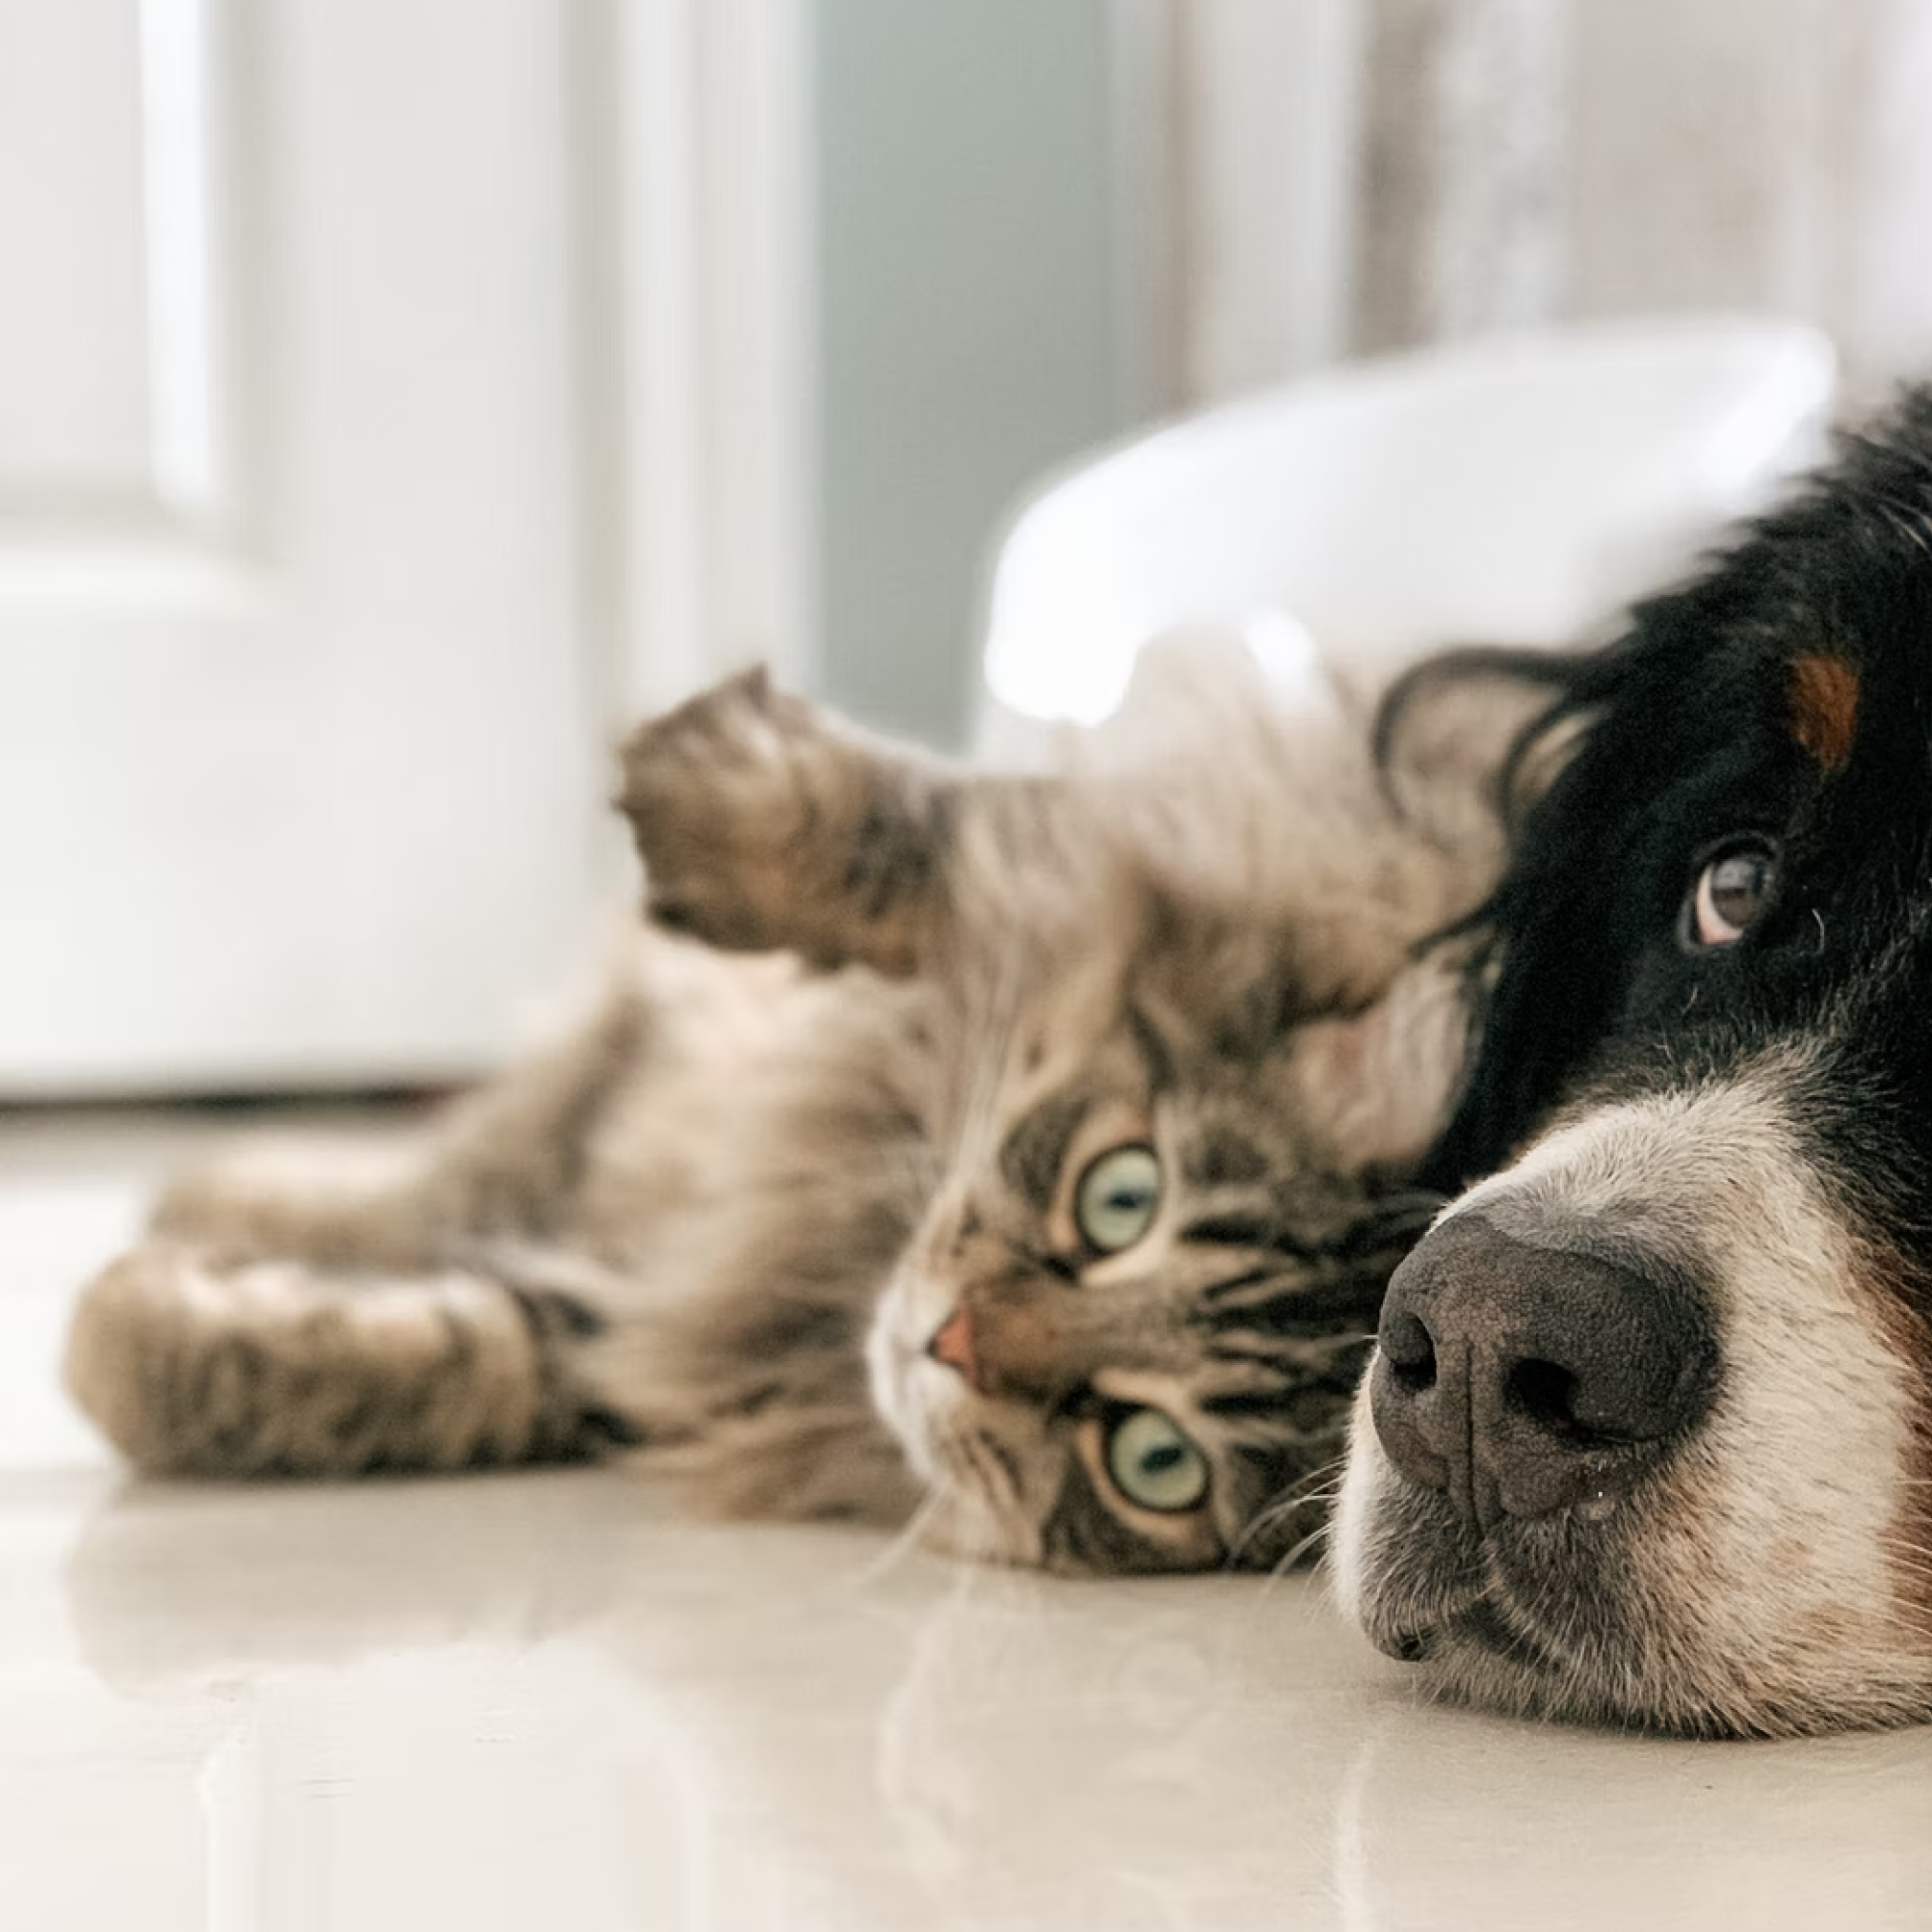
(1519, 1380)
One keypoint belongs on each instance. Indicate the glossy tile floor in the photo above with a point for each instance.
(541, 1703)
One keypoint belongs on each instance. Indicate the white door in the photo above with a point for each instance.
(303, 697)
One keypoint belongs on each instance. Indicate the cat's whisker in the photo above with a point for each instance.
(1318, 1489)
(904, 1542)
(993, 1026)
(1312, 1541)
(979, 1117)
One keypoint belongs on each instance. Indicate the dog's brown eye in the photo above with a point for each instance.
(1729, 895)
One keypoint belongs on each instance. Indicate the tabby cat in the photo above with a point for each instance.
(1025, 1152)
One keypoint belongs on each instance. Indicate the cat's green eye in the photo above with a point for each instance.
(1117, 1198)
(1154, 1465)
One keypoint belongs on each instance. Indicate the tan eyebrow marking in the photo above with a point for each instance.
(1824, 700)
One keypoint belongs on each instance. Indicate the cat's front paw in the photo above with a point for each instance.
(763, 825)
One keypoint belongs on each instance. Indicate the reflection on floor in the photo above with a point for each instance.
(542, 1701)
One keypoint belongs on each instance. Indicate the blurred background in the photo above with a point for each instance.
(398, 396)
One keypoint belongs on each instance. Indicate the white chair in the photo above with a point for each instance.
(1513, 491)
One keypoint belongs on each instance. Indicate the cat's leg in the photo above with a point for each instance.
(500, 1164)
(324, 1311)
(280, 1368)
(764, 822)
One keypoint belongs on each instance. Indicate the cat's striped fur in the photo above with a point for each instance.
(792, 1215)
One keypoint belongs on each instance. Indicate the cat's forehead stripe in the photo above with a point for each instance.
(1219, 1158)
(1036, 1149)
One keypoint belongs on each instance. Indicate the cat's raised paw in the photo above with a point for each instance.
(762, 825)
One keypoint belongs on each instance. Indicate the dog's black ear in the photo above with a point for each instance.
(1549, 996)
(1548, 966)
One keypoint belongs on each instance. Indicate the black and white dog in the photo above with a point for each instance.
(1648, 1434)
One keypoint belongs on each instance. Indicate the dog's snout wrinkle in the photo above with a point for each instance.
(1517, 1380)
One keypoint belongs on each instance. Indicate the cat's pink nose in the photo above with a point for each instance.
(952, 1345)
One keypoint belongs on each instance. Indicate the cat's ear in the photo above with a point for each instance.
(1242, 980)
(1461, 746)
(1377, 1086)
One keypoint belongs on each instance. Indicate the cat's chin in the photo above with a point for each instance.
(909, 1389)
(954, 1526)
(929, 1406)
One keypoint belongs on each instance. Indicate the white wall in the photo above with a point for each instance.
(969, 328)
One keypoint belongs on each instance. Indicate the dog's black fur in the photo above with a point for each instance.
(1686, 740)
(1782, 697)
